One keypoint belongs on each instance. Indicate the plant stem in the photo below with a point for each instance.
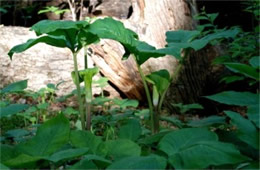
(88, 115)
(86, 57)
(175, 74)
(155, 128)
(81, 109)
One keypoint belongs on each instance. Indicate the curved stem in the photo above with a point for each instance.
(174, 76)
(81, 109)
(150, 104)
(164, 93)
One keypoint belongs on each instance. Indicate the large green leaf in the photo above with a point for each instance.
(131, 130)
(245, 129)
(244, 69)
(144, 51)
(50, 40)
(174, 142)
(148, 140)
(209, 121)
(50, 137)
(8, 151)
(253, 114)
(80, 139)
(138, 162)
(161, 80)
(116, 149)
(236, 98)
(176, 44)
(202, 154)
(15, 87)
(23, 161)
(67, 154)
(181, 36)
(12, 109)
(109, 28)
(231, 33)
(92, 160)
(83, 164)
(50, 26)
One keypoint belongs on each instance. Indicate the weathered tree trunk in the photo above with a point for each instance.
(150, 19)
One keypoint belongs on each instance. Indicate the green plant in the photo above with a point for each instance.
(53, 9)
(102, 82)
(62, 34)
(86, 76)
(7, 108)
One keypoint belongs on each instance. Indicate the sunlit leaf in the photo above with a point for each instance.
(50, 40)
(50, 26)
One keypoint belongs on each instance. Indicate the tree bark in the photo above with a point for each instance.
(150, 19)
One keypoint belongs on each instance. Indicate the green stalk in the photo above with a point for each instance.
(86, 57)
(164, 93)
(81, 109)
(155, 128)
(174, 76)
(88, 86)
